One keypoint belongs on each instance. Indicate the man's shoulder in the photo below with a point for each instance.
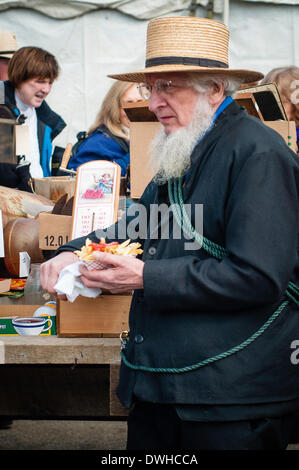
(252, 123)
(250, 130)
(239, 138)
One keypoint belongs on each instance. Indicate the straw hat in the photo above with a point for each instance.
(187, 44)
(8, 44)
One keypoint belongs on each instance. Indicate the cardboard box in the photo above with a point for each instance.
(264, 102)
(54, 230)
(141, 135)
(266, 99)
(143, 128)
(248, 101)
(53, 187)
(287, 130)
(7, 329)
(106, 315)
(14, 308)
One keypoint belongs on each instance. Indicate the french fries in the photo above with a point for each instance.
(123, 249)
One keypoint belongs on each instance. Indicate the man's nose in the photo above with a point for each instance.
(155, 101)
(46, 88)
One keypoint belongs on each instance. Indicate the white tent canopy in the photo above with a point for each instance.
(95, 38)
(140, 9)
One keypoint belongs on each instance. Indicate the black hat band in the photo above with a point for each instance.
(200, 62)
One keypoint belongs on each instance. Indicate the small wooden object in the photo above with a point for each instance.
(66, 156)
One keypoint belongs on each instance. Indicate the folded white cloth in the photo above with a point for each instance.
(69, 283)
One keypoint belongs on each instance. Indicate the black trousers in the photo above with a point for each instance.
(158, 427)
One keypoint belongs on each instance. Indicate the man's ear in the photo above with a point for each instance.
(216, 94)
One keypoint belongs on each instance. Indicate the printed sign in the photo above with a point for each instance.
(96, 197)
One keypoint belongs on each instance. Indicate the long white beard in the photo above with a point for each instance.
(170, 153)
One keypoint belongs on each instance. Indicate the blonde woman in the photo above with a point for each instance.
(108, 137)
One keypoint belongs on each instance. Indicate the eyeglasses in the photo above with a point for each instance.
(160, 86)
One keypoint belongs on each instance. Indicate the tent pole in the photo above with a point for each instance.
(226, 12)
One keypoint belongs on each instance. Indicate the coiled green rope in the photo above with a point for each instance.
(217, 251)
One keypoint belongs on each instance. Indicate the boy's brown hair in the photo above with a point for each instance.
(32, 62)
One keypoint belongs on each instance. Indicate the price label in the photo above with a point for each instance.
(53, 242)
(54, 231)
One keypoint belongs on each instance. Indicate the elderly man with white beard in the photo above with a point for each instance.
(184, 125)
(207, 363)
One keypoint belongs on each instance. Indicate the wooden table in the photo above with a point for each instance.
(55, 350)
(52, 377)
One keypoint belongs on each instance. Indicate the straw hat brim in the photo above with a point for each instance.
(138, 76)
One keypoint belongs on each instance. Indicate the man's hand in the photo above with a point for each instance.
(126, 273)
(50, 270)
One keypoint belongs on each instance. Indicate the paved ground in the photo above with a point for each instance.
(67, 435)
(64, 435)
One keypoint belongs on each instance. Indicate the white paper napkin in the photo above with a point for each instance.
(69, 283)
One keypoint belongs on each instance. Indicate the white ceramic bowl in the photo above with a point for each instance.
(31, 325)
(49, 309)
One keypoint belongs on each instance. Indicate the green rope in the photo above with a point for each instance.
(210, 360)
(295, 289)
(176, 200)
(218, 252)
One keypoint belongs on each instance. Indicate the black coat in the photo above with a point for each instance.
(194, 306)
